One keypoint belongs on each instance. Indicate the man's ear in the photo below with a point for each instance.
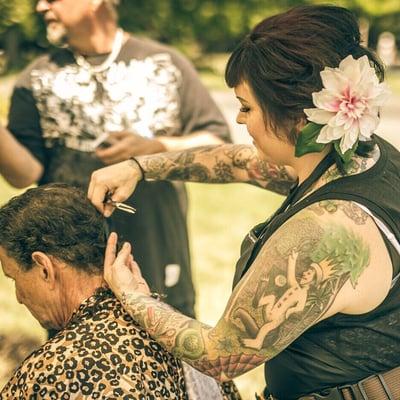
(46, 268)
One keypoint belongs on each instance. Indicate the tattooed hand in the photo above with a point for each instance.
(121, 272)
(211, 164)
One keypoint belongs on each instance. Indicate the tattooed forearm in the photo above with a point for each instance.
(217, 164)
(292, 284)
(210, 350)
(179, 334)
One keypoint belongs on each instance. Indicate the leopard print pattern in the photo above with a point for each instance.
(101, 354)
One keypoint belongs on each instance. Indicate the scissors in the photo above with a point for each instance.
(121, 206)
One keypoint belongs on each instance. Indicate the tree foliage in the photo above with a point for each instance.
(197, 26)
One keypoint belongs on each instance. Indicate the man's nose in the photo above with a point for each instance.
(42, 6)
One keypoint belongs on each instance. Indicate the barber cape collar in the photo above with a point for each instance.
(106, 64)
(347, 109)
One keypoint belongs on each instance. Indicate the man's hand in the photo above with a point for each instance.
(121, 272)
(127, 144)
(117, 180)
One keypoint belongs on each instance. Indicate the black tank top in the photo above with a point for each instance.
(344, 348)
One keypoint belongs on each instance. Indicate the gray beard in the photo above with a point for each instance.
(57, 34)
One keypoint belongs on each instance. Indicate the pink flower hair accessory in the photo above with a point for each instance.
(346, 109)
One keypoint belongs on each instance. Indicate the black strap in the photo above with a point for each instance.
(296, 193)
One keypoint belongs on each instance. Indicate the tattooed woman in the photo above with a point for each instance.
(316, 296)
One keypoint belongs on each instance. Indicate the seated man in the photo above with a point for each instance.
(52, 243)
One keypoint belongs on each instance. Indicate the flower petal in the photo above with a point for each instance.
(350, 68)
(379, 94)
(368, 123)
(334, 81)
(318, 116)
(328, 134)
(326, 100)
(348, 139)
(341, 118)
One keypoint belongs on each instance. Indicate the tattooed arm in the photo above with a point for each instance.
(317, 264)
(212, 164)
(218, 164)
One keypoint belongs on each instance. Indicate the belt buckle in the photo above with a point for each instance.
(352, 391)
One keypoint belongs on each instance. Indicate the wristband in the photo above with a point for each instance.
(140, 167)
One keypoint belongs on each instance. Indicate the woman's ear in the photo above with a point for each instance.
(301, 124)
(46, 268)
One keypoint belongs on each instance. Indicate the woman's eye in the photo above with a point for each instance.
(244, 109)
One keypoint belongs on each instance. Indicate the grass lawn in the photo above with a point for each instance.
(219, 218)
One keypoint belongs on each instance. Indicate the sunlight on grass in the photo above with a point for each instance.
(219, 218)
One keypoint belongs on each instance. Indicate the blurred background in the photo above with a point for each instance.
(220, 215)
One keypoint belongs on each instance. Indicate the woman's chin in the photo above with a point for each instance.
(260, 153)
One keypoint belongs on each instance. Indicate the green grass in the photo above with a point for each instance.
(219, 218)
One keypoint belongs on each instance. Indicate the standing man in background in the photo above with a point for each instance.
(102, 97)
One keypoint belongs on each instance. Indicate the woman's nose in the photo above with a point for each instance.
(239, 119)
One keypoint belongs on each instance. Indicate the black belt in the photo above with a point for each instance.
(384, 386)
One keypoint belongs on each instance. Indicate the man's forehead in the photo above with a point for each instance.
(7, 263)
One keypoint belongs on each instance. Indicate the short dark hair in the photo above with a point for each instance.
(58, 220)
(281, 60)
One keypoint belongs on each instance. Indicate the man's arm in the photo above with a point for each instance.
(18, 166)
(332, 271)
(22, 148)
(194, 139)
(127, 144)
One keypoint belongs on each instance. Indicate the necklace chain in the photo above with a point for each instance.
(116, 48)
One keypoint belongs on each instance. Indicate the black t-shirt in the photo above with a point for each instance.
(59, 109)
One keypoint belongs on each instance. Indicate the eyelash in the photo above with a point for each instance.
(244, 109)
